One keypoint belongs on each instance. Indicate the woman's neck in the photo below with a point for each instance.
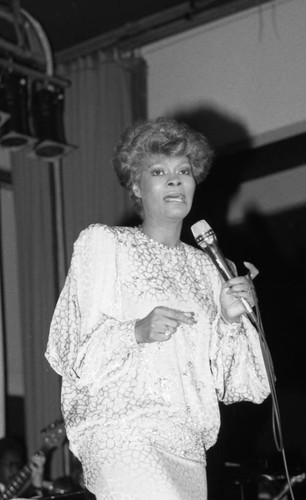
(167, 234)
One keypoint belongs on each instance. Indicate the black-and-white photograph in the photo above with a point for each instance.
(152, 249)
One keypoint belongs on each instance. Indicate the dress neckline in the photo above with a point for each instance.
(177, 249)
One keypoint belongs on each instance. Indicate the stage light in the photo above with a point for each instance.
(15, 132)
(31, 95)
(48, 120)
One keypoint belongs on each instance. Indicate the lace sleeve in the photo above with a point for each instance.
(236, 359)
(85, 341)
(65, 328)
(237, 363)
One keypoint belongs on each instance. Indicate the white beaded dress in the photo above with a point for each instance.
(140, 417)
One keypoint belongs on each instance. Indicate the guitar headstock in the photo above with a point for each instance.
(54, 436)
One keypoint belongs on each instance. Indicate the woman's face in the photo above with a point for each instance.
(166, 187)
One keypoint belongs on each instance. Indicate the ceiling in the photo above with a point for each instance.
(71, 22)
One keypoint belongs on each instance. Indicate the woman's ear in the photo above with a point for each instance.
(136, 190)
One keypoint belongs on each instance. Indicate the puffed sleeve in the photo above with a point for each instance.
(237, 362)
(88, 341)
(236, 358)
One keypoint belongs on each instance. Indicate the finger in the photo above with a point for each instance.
(253, 271)
(242, 291)
(234, 281)
(163, 337)
(186, 317)
(242, 287)
(170, 324)
(169, 329)
(249, 295)
(168, 333)
(172, 312)
(166, 327)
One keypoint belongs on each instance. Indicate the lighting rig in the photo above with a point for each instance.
(31, 95)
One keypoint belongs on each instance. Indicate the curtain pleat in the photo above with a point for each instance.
(99, 105)
(32, 182)
(102, 100)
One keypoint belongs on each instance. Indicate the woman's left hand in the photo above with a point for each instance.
(233, 290)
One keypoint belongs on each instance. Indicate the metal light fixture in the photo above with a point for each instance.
(15, 132)
(31, 95)
(48, 120)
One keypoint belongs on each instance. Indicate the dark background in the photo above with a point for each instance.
(247, 448)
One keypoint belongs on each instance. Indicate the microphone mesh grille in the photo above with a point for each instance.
(200, 228)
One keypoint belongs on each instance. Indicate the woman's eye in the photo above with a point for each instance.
(157, 171)
(186, 171)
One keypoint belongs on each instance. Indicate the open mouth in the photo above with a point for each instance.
(176, 198)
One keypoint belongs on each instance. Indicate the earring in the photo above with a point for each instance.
(134, 188)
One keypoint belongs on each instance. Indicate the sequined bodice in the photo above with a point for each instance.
(155, 274)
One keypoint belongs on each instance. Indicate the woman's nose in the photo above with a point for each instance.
(174, 181)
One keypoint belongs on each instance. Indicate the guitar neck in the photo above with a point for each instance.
(54, 436)
(18, 484)
(20, 481)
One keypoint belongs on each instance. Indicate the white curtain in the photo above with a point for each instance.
(54, 202)
(2, 368)
(2, 350)
(38, 283)
(106, 95)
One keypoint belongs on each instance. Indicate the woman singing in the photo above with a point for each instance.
(147, 336)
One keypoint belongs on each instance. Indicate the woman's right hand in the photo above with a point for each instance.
(161, 323)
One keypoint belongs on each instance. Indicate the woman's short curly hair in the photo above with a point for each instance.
(162, 136)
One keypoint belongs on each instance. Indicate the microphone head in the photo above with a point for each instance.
(203, 233)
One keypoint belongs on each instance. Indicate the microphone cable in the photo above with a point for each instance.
(206, 240)
(256, 320)
(276, 419)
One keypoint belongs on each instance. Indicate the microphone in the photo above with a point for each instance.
(207, 241)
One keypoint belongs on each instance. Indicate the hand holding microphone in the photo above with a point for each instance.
(237, 295)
